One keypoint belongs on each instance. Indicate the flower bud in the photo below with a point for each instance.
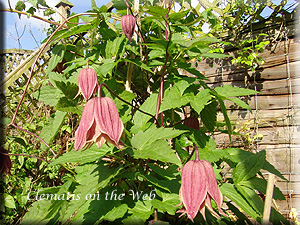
(88, 82)
(128, 25)
(192, 122)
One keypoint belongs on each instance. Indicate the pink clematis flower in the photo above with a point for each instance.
(100, 122)
(128, 25)
(87, 82)
(198, 187)
(5, 162)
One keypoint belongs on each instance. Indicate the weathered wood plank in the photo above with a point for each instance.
(268, 73)
(270, 87)
(264, 118)
(271, 136)
(269, 102)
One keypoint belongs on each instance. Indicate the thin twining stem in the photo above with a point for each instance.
(32, 156)
(41, 139)
(34, 16)
(128, 103)
(37, 57)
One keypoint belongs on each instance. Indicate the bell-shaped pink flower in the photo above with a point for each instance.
(198, 187)
(100, 122)
(87, 82)
(5, 162)
(128, 25)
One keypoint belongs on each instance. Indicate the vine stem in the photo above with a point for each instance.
(12, 123)
(34, 16)
(32, 156)
(41, 139)
(128, 103)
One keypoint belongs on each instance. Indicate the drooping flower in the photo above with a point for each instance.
(5, 162)
(128, 25)
(87, 82)
(198, 187)
(99, 122)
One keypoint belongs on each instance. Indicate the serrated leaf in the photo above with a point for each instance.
(56, 57)
(139, 64)
(230, 192)
(52, 127)
(116, 213)
(240, 103)
(227, 120)
(92, 154)
(156, 10)
(253, 199)
(66, 105)
(231, 91)
(261, 185)
(9, 201)
(48, 94)
(173, 97)
(142, 209)
(209, 115)
(69, 89)
(249, 167)
(20, 6)
(139, 118)
(158, 150)
(200, 100)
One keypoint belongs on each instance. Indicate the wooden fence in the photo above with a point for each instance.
(274, 122)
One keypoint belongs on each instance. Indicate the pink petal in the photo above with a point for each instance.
(213, 189)
(193, 187)
(108, 120)
(128, 25)
(82, 134)
(88, 82)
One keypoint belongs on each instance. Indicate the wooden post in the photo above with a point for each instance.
(268, 200)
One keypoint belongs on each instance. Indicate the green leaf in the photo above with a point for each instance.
(253, 199)
(9, 201)
(209, 115)
(156, 10)
(20, 6)
(106, 67)
(210, 153)
(150, 144)
(146, 138)
(261, 185)
(158, 150)
(230, 192)
(48, 94)
(142, 209)
(91, 178)
(227, 120)
(56, 57)
(201, 100)
(240, 103)
(52, 127)
(68, 105)
(167, 204)
(66, 33)
(139, 64)
(249, 167)
(92, 154)
(173, 97)
(116, 213)
(69, 89)
(140, 119)
(231, 91)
